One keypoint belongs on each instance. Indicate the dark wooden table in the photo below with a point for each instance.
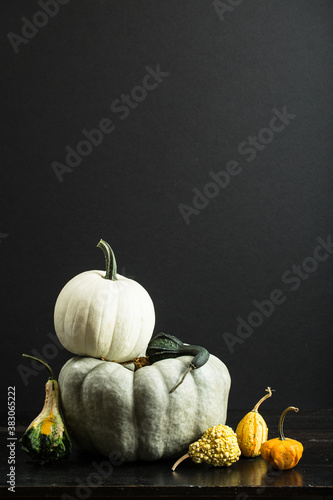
(84, 476)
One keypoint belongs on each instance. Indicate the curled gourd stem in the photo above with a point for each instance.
(164, 346)
(110, 261)
(42, 362)
(284, 413)
(184, 457)
(269, 390)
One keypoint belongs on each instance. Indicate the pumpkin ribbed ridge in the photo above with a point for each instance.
(62, 318)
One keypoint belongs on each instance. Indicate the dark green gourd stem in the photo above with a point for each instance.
(201, 356)
(42, 362)
(164, 346)
(110, 261)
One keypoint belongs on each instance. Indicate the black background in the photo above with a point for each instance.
(225, 77)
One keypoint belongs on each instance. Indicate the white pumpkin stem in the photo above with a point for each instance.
(42, 362)
(269, 390)
(175, 465)
(110, 261)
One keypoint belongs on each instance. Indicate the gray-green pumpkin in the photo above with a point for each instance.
(111, 408)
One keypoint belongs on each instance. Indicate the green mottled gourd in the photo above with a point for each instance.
(164, 346)
(46, 438)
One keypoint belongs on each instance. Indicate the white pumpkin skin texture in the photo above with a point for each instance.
(102, 318)
(108, 407)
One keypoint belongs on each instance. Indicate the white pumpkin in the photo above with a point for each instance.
(109, 408)
(104, 316)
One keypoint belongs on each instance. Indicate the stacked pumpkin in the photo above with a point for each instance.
(107, 320)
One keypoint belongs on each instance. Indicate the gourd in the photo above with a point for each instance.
(46, 438)
(281, 452)
(218, 446)
(164, 346)
(252, 430)
(108, 406)
(104, 316)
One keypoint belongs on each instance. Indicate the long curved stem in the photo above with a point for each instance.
(184, 457)
(110, 261)
(284, 413)
(269, 390)
(42, 362)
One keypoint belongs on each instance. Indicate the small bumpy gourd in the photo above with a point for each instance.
(252, 430)
(282, 453)
(218, 446)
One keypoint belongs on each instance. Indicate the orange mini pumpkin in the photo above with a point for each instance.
(281, 452)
